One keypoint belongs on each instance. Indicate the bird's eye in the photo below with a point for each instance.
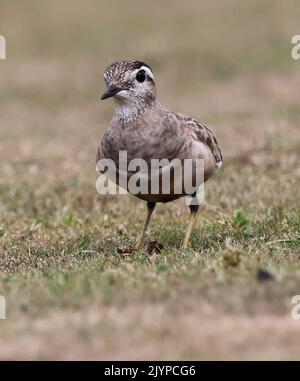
(141, 76)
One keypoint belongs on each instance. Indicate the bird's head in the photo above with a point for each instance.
(130, 83)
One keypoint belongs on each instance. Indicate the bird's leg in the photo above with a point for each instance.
(140, 239)
(194, 213)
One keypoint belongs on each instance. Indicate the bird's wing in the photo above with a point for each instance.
(201, 133)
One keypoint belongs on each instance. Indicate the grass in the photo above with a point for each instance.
(70, 291)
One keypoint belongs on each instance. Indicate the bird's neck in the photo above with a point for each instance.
(130, 111)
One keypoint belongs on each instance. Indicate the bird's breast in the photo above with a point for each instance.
(141, 141)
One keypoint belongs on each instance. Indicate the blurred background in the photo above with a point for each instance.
(229, 65)
(211, 60)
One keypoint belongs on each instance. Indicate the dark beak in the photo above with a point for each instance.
(111, 91)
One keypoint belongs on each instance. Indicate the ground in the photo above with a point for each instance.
(70, 291)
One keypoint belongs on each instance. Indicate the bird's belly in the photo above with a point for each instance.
(164, 184)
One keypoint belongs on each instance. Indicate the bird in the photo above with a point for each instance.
(146, 130)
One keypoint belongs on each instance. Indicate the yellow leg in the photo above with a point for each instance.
(140, 239)
(194, 214)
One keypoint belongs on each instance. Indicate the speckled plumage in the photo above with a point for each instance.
(146, 130)
(118, 71)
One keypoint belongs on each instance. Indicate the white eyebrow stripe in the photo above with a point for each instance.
(147, 71)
